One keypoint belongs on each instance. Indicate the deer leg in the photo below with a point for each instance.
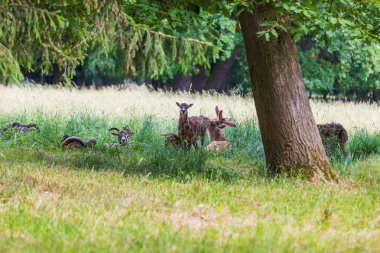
(195, 143)
(203, 139)
(186, 145)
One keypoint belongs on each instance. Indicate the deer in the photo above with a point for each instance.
(215, 128)
(122, 135)
(190, 128)
(172, 139)
(334, 130)
(71, 142)
(22, 128)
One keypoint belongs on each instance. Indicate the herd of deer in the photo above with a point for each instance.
(194, 127)
(190, 129)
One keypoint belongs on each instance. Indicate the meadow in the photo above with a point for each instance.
(148, 198)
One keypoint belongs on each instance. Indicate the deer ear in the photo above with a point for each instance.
(190, 105)
(177, 104)
(115, 134)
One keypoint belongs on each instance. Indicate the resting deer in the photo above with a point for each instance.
(215, 128)
(335, 130)
(172, 139)
(71, 142)
(20, 126)
(122, 135)
(190, 128)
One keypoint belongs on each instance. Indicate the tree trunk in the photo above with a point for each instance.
(292, 143)
(182, 82)
(218, 77)
(199, 80)
(376, 95)
(57, 75)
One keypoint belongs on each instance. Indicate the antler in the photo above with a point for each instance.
(126, 128)
(72, 142)
(16, 123)
(30, 125)
(217, 111)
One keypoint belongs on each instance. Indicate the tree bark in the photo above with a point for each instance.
(376, 95)
(182, 82)
(199, 80)
(291, 140)
(218, 78)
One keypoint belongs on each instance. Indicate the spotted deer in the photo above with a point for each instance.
(215, 128)
(190, 128)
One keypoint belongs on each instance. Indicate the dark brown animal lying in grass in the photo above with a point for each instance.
(71, 142)
(172, 139)
(21, 127)
(122, 135)
(334, 130)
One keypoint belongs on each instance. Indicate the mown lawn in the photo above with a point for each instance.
(146, 198)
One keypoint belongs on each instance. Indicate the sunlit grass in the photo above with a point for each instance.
(139, 101)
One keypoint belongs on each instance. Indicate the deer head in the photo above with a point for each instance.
(122, 134)
(217, 125)
(222, 121)
(183, 108)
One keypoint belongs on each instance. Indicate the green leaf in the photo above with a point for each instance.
(274, 32)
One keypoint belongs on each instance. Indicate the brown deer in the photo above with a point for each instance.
(71, 142)
(20, 126)
(172, 139)
(215, 128)
(334, 130)
(122, 135)
(190, 128)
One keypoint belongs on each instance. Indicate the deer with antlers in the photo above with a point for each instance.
(122, 135)
(190, 128)
(215, 128)
(22, 128)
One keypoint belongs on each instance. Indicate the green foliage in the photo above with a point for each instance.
(318, 74)
(37, 35)
(339, 64)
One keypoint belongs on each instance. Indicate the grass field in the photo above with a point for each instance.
(146, 198)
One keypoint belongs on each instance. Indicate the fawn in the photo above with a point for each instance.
(172, 139)
(190, 128)
(215, 128)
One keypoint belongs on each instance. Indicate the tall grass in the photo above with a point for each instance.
(147, 154)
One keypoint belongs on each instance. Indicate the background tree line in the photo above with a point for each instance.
(334, 64)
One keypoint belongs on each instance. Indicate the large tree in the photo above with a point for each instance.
(290, 136)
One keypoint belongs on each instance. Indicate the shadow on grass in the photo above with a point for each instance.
(155, 161)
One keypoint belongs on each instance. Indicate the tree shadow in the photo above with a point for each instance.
(155, 161)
